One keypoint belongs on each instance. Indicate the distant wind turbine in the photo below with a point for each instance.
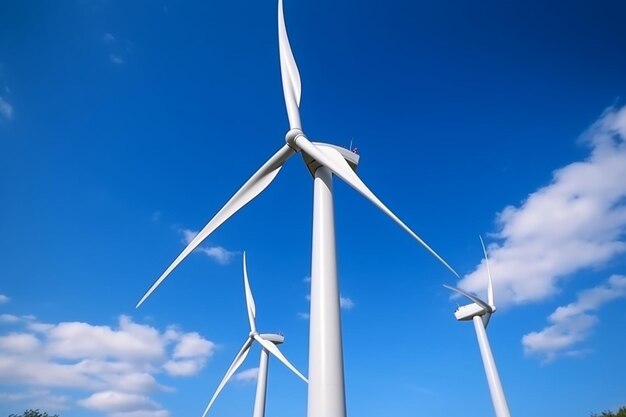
(326, 397)
(268, 344)
(480, 312)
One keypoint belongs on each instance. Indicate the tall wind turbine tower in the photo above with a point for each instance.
(326, 397)
(268, 344)
(480, 312)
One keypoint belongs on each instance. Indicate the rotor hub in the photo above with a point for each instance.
(291, 137)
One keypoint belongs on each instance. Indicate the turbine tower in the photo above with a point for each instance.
(268, 344)
(480, 312)
(326, 396)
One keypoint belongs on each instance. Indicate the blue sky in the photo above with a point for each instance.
(125, 126)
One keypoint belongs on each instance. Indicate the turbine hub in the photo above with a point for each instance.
(291, 136)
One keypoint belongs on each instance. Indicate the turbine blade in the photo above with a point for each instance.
(253, 187)
(274, 351)
(292, 87)
(241, 356)
(490, 299)
(475, 299)
(332, 159)
(249, 299)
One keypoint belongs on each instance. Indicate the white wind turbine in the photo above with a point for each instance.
(326, 396)
(268, 344)
(480, 312)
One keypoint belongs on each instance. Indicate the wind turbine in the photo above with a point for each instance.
(480, 312)
(326, 396)
(268, 344)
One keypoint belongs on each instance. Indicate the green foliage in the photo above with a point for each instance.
(33, 413)
(619, 413)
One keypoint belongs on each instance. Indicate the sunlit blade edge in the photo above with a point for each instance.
(475, 299)
(253, 187)
(251, 307)
(490, 297)
(271, 347)
(333, 160)
(290, 75)
(241, 356)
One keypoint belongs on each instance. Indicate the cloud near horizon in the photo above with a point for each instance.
(113, 369)
(576, 222)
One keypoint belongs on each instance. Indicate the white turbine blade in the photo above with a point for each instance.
(332, 159)
(490, 300)
(475, 299)
(249, 299)
(241, 356)
(292, 87)
(253, 187)
(271, 347)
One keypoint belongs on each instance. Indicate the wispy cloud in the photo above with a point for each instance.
(572, 324)
(6, 109)
(9, 318)
(346, 303)
(108, 38)
(4, 299)
(219, 254)
(116, 59)
(247, 375)
(119, 50)
(115, 368)
(42, 399)
(577, 221)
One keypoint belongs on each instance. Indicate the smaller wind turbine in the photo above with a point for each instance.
(480, 312)
(268, 344)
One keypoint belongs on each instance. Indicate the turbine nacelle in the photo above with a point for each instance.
(276, 339)
(479, 307)
(468, 311)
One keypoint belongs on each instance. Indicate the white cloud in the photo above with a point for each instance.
(193, 345)
(42, 399)
(9, 318)
(247, 375)
(572, 324)
(130, 341)
(304, 316)
(4, 299)
(346, 303)
(116, 365)
(6, 109)
(119, 402)
(217, 253)
(577, 221)
(116, 59)
(19, 342)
